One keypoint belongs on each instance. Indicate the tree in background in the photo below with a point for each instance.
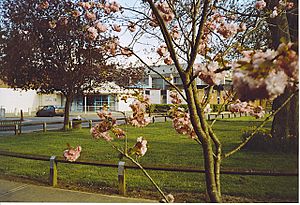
(284, 27)
(60, 46)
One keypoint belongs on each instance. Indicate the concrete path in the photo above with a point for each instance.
(19, 192)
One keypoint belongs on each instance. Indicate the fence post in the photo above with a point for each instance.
(121, 178)
(153, 119)
(44, 127)
(16, 129)
(53, 171)
(165, 118)
(70, 124)
(90, 123)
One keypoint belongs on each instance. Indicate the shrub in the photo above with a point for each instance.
(263, 141)
(162, 108)
(216, 107)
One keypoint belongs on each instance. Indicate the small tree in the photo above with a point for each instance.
(59, 46)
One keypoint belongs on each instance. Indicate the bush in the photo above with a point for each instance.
(216, 107)
(163, 108)
(263, 141)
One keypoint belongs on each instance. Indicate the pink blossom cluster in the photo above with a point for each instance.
(94, 27)
(108, 8)
(131, 27)
(43, 5)
(181, 119)
(107, 123)
(224, 25)
(175, 98)
(140, 148)
(260, 5)
(165, 12)
(244, 107)
(163, 52)
(138, 107)
(265, 74)
(72, 154)
(207, 73)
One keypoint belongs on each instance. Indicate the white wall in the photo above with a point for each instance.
(29, 101)
(15, 100)
(122, 106)
(155, 97)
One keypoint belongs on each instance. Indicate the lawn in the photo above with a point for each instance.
(166, 148)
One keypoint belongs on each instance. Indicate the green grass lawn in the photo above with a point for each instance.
(166, 148)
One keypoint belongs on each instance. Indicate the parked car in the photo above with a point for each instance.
(50, 111)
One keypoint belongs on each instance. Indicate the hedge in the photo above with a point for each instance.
(159, 108)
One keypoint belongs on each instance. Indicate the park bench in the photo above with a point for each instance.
(11, 125)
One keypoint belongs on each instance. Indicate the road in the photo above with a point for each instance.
(35, 128)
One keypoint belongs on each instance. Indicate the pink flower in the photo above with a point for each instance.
(76, 13)
(227, 29)
(131, 27)
(92, 33)
(85, 5)
(116, 28)
(175, 33)
(126, 51)
(260, 5)
(208, 75)
(90, 16)
(107, 8)
(115, 7)
(175, 98)
(138, 107)
(119, 133)
(44, 5)
(289, 5)
(162, 50)
(72, 154)
(274, 13)
(141, 146)
(257, 112)
(168, 60)
(100, 27)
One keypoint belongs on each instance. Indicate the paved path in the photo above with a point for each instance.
(19, 192)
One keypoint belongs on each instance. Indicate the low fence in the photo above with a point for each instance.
(16, 125)
(53, 167)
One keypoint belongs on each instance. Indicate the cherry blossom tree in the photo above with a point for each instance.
(206, 40)
(62, 46)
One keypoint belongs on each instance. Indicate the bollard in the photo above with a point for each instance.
(121, 178)
(90, 124)
(70, 124)
(165, 118)
(153, 119)
(44, 127)
(16, 129)
(22, 115)
(53, 171)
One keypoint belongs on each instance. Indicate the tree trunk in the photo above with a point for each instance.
(285, 123)
(69, 99)
(200, 126)
(212, 179)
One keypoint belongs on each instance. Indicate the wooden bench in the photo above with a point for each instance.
(11, 125)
